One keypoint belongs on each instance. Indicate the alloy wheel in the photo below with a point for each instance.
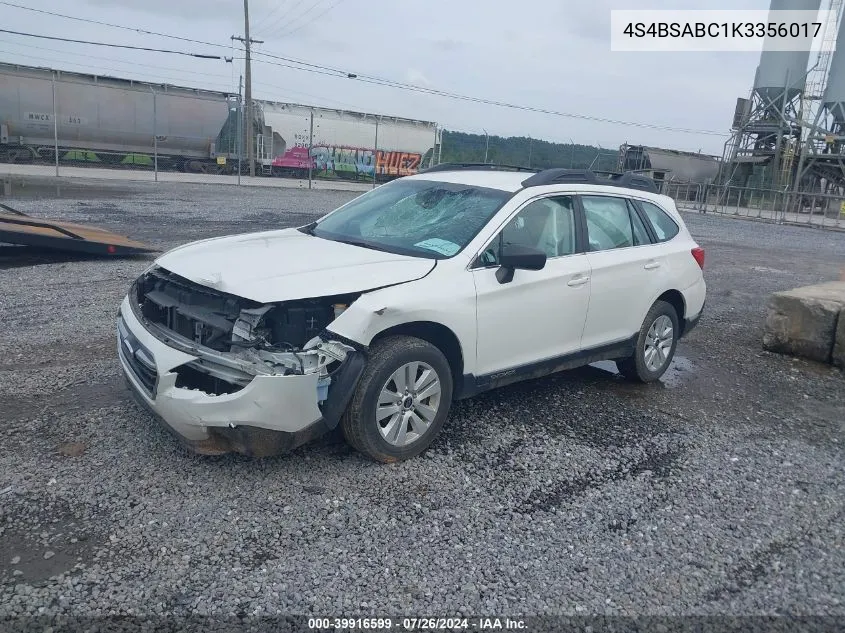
(408, 403)
(658, 343)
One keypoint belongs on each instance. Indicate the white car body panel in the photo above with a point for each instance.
(441, 297)
(681, 271)
(536, 316)
(287, 264)
(694, 297)
(621, 291)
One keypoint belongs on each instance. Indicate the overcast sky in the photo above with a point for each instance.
(552, 54)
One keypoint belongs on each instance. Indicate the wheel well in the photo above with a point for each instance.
(676, 300)
(438, 335)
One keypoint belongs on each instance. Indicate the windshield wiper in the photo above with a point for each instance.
(353, 242)
(308, 229)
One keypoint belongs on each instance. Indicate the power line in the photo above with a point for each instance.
(334, 72)
(137, 48)
(268, 13)
(371, 79)
(271, 95)
(272, 19)
(312, 20)
(270, 25)
(110, 25)
(379, 81)
(291, 19)
(99, 71)
(180, 71)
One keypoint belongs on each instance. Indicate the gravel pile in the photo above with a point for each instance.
(717, 491)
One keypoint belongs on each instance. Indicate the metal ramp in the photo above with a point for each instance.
(18, 228)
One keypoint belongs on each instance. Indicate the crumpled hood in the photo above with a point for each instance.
(287, 264)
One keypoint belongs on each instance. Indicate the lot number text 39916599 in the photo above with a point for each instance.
(416, 624)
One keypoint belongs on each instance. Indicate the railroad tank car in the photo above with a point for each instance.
(669, 165)
(345, 144)
(109, 120)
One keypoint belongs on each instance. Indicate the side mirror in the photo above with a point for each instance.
(515, 256)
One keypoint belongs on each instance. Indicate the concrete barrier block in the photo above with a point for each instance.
(803, 322)
(838, 356)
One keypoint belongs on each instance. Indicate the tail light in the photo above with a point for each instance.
(698, 256)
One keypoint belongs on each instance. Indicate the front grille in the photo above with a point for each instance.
(138, 358)
(188, 376)
(195, 312)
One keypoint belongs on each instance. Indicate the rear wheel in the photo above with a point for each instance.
(401, 401)
(655, 346)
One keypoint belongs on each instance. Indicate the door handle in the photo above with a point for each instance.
(578, 281)
(652, 265)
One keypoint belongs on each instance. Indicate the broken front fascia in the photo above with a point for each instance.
(316, 355)
(240, 366)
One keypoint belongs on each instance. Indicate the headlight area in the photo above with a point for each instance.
(214, 375)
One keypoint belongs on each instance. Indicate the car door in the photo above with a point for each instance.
(626, 269)
(539, 314)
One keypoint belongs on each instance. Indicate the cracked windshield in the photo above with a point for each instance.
(414, 217)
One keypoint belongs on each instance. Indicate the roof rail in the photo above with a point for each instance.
(475, 167)
(561, 176)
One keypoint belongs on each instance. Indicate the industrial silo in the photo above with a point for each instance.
(761, 152)
(834, 93)
(783, 71)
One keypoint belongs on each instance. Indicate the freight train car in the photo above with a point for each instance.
(669, 165)
(343, 144)
(106, 120)
(112, 121)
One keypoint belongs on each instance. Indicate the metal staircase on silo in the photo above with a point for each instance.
(768, 125)
(821, 165)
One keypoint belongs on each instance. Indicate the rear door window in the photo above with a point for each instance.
(664, 226)
(641, 235)
(613, 223)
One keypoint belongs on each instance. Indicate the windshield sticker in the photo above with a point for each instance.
(444, 247)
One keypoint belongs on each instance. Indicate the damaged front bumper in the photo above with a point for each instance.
(214, 405)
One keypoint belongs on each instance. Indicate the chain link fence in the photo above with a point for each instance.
(67, 120)
(825, 211)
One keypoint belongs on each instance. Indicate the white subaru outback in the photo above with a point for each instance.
(425, 290)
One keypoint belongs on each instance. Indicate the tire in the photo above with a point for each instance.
(640, 367)
(392, 438)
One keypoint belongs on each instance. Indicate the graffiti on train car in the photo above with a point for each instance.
(294, 158)
(398, 163)
(349, 162)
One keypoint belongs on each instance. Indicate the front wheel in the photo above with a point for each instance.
(655, 345)
(401, 401)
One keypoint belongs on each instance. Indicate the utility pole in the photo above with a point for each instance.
(55, 126)
(440, 148)
(240, 126)
(247, 42)
(486, 145)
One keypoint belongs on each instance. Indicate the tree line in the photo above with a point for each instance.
(461, 147)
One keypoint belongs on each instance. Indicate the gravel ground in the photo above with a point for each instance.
(718, 491)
